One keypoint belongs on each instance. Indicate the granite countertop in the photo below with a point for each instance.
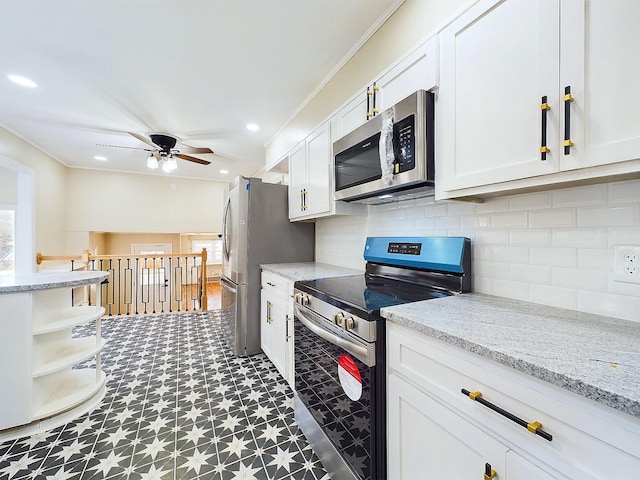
(594, 356)
(47, 280)
(308, 270)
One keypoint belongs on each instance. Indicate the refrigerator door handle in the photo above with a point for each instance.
(225, 219)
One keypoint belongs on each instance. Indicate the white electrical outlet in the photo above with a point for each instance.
(627, 263)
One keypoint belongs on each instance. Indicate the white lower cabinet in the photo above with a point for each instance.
(427, 440)
(276, 323)
(436, 431)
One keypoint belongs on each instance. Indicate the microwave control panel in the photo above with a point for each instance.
(404, 142)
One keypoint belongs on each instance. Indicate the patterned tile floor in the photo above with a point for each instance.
(178, 406)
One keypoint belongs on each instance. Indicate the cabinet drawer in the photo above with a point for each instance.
(579, 426)
(275, 284)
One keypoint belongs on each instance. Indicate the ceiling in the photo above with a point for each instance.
(197, 69)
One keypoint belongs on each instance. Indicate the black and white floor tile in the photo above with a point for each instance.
(179, 405)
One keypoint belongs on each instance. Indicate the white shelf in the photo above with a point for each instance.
(66, 354)
(63, 391)
(68, 318)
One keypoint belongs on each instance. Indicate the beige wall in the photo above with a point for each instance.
(50, 202)
(118, 202)
(8, 186)
(412, 22)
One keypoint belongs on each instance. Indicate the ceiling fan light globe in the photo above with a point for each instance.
(171, 164)
(152, 162)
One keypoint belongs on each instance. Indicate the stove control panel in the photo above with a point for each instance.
(404, 248)
(301, 298)
(346, 322)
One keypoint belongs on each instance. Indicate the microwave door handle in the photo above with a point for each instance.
(359, 351)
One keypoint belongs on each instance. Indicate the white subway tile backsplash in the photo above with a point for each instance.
(507, 288)
(492, 237)
(612, 305)
(530, 201)
(448, 222)
(624, 192)
(553, 218)
(531, 237)
(533, 274)
(493, 205)
(509, 254)
(478, 221)
(553, 247)
(580, 196)
(554, 296)
(581, 238)
(439, 210)
(595, 258)
(491, 270)
(481, 284)
(579, 279)
(624, 236)
(509, 220)
(610, 216)
(554, 257)
(460, 208)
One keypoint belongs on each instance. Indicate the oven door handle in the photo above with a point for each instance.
(359, 351)
(228, 285)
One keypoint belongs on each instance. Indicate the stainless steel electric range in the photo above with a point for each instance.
(340, 346)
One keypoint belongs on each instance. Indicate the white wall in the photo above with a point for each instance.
(554, 247)
(119, 202)
(49, 196)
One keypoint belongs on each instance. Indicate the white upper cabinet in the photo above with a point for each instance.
(599, 62)
(502, 110)
(417, 70)
(497, 62)
(310, 187)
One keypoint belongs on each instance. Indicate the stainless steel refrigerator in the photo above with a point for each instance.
(255, 230)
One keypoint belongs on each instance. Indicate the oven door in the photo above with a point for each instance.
(336, 381)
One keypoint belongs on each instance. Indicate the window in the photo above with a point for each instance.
(7, 240)
(214, 250)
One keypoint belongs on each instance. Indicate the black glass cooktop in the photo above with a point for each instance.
(366, 293)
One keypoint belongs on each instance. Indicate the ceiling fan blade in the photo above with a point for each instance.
(195, 150)
(121, 146)
(143, 139)
(191, 159)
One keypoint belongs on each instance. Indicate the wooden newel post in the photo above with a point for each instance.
(203, 281)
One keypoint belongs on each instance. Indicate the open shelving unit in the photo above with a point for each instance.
(42, 385)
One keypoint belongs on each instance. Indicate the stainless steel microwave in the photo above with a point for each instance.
(358, 169)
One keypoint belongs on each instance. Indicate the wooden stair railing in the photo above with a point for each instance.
(144, 284)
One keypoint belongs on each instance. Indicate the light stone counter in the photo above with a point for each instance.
(594, 356)
(47, 280)
(308, 270)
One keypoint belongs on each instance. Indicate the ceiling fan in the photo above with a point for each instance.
(164, 149)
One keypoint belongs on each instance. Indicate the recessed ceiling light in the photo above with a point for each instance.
(100, 157)
(224, 172)
(252, 127)
(23, 81)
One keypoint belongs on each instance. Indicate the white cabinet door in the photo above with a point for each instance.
(427, 440)
(297, 180)
(349, 117)
(320, 187)
(417, 71)
(599, 61)
(518, 468)
(266, 324)
(497, 62)
(279, 352)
